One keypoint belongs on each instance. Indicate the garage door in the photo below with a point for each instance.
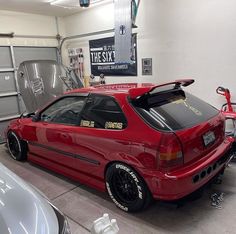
(11, 104)
(34, 53)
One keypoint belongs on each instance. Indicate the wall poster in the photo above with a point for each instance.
(102, 58)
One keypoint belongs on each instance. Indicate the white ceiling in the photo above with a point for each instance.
(36, 7)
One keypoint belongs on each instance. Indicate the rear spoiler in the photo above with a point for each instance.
(137, 92)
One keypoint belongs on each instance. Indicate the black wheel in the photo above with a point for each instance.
(16, 147)
(126, 188)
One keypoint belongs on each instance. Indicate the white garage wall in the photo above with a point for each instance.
(199, 41)
(28, 24)
(185, 38)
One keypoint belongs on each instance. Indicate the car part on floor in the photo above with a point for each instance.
(217, 199)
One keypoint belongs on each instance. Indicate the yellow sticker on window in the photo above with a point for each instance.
(86, 123)
(113, 125)
(184, 102)
(193, 109)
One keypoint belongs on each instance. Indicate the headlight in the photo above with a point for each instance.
(66, 228)
(63, 223)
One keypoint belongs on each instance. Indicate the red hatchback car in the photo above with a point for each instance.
(136, 141)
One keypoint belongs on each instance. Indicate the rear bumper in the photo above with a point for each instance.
(179, 183)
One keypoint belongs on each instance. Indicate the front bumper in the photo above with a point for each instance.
(182, 182)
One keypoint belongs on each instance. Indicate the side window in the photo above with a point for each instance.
(103, 112)
(65, 111)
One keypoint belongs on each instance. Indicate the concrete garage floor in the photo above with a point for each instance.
(83, 205)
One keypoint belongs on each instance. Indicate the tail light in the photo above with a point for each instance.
(169, 153)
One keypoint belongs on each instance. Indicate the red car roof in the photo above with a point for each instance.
(132, 89)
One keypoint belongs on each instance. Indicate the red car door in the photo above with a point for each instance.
(80, 146)
(51, 139)
(101, 135)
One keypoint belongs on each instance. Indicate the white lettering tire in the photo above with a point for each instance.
(126, 188)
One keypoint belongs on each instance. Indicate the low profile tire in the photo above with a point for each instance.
(126, 188)
(16, 147)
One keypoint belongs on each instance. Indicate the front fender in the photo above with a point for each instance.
(15, 126)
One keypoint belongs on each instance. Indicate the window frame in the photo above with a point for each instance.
(79, 95)
(92, 95)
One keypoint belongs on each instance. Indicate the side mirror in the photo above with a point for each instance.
(36, 118)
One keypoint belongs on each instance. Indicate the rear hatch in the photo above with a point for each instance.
(198, 126)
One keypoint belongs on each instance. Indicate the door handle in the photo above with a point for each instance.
(64, 135)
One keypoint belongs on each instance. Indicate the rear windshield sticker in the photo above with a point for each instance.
(113, 125)
(193, 109)
(86, 123)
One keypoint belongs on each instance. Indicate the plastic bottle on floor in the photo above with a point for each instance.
(103, 225)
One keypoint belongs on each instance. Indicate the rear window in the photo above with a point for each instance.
(173, 109)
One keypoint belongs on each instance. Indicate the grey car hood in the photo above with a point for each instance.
(40, 81)
(22, 209)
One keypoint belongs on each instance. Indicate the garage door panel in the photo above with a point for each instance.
(34, 53)
(3, 126)
(5, 57)
(7, 82)
(8, 107)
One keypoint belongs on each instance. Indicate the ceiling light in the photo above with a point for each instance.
(66, 3)
(73, 3)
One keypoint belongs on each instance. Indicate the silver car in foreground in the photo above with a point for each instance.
(24, 210)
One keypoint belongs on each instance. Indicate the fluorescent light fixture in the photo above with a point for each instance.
(70, 4)
(66, 3)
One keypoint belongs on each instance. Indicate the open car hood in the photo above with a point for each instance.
(138, 92)
(41, 81)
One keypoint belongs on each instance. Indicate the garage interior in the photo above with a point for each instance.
(181, 39)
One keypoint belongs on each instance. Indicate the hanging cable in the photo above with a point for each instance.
(135, 6)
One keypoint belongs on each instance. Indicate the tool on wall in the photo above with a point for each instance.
(77, 62)
(81, 64)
